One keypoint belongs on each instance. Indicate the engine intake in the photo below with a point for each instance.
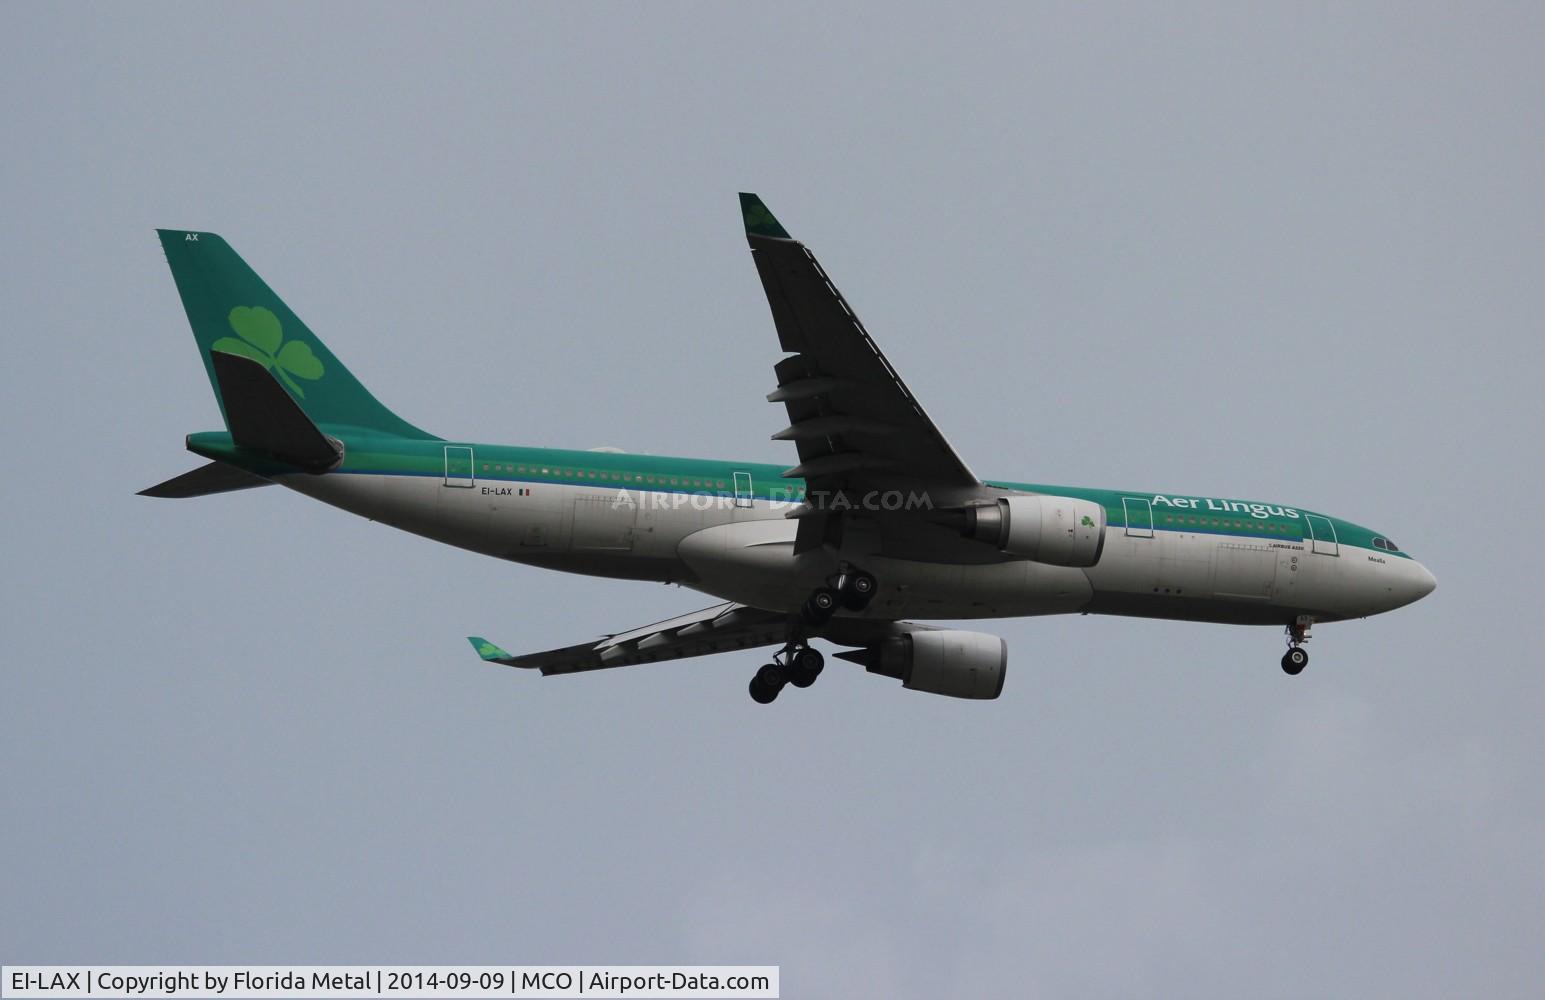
(1060, 531)
(950, 662)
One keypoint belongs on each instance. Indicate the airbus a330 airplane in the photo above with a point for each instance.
(878, 521)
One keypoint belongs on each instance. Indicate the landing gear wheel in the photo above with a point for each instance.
(821, 606)
(805, 666)
(858, 590)
(1295, 660)
(766, 684)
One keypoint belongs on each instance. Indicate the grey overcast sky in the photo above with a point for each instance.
(1286, 253)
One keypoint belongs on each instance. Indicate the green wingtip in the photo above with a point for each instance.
(759, 221)
(486, 649)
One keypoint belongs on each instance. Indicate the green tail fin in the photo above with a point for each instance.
(487, 650)
(233, 311)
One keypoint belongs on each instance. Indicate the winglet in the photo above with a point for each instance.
(488, 650)
(759, 221)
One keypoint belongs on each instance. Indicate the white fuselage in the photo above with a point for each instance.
(743, 551)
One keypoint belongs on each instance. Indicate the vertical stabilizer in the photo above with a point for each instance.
(232, 311)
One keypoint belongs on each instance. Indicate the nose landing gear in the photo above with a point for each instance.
(1297, 658)
(798, 664)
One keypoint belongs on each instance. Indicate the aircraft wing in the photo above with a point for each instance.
(718, 629)
(722, 628)
(855, 424)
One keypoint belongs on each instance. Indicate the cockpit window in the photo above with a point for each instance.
(1378, 543)
(1386, 544)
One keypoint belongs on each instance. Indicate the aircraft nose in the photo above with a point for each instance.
(1406, 581)
(1413, 583)
(1426, 583)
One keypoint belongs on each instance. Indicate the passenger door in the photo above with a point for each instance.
(1322, 536)
(743, 492)
(458, 466)
(1139, 516)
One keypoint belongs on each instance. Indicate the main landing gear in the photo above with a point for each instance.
(1297, 658)
(797, 664)
(853, 589)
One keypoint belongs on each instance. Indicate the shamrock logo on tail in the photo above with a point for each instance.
(262, 340)
(486, 649)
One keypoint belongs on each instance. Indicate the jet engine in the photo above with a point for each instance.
(1060, 531)
(944, 661)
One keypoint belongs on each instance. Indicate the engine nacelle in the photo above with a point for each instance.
(1059, 531)
(946, 661)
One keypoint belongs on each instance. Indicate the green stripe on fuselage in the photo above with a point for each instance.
(387, 455)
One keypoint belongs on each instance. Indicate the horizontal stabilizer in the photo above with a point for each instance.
(263, 417)
(216, 477)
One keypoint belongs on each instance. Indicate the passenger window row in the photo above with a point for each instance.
(615, 477)
(1225, 522)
